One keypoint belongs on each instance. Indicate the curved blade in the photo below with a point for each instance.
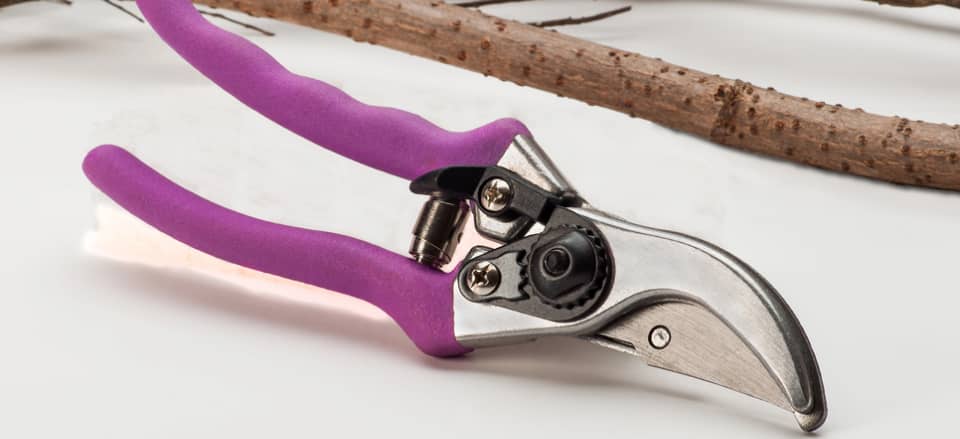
(717, 319)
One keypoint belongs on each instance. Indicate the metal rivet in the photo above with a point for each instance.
(659, 337)
(483, 279)
(495, 195)
(556, 262)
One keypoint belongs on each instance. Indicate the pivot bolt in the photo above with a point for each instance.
(659, 337)
(496, 195)
(483, 279)
(556, 261)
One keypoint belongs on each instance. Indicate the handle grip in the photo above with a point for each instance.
(391, 140)
(419, 299)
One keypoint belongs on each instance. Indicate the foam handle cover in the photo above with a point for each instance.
(388, 139)
(418, 298)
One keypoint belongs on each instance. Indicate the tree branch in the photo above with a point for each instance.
(124, 10)
(730, 112)
(580, 20)
(918, 3)
(478, 3)
(5, 3)
(236, 22)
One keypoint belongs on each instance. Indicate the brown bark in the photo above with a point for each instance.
(727, 111)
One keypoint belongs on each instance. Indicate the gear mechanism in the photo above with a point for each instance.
(567, 267)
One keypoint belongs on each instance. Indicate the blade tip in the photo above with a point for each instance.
(810, 422)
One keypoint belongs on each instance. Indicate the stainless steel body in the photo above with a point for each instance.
(678, 302)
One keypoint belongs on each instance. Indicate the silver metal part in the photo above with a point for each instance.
(483, 279)
(705, 348)
(733, 328)
(525, 158)
(437, 231)
(659, 337)
(507, 262)
(722, 322)
(495, 195)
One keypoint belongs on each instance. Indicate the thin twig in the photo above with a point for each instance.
(5, 3)
(478, 3)
(580, 20)
(125, 10)
(210, 14)
(237, 22)
(919, 3)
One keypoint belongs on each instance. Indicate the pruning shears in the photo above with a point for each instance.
(560, 266)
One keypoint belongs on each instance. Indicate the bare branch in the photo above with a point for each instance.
(124, 10)
(237, 22)
(726, 111)
(580, 20)
(211, 14)
(5, 3)
(918, 3)
(478, 3)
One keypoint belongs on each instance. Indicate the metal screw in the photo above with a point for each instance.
(483, 279)
(659, 337)
(495, 195)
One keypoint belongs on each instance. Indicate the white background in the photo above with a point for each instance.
(94, 348)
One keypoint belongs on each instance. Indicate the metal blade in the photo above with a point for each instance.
(721, 321)
(687, 339)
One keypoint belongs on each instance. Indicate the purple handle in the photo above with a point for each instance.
(391, 140)
(419, 299)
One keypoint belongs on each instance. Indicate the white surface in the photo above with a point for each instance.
(92, 348)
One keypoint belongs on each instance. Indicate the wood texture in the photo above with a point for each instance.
(730, 112)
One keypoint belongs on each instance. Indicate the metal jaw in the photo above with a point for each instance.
(679, 303)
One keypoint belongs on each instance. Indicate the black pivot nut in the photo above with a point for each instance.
(565, 267)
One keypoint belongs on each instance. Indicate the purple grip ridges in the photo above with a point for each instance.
(418, 298)
(391, 140)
